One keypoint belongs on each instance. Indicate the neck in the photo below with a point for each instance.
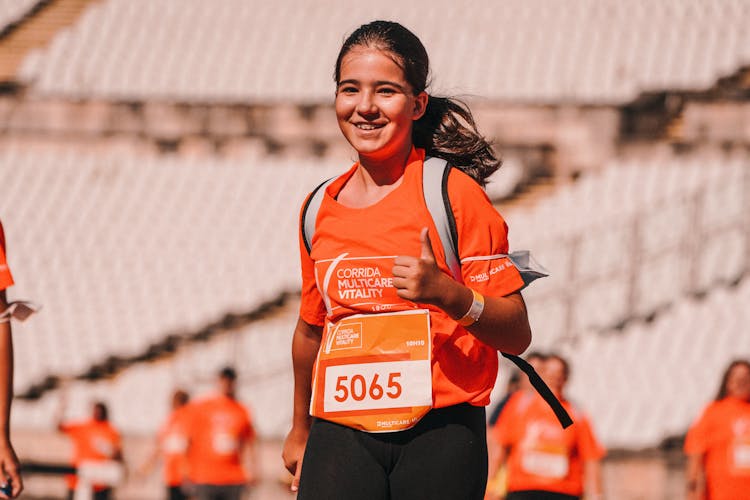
(384, 171)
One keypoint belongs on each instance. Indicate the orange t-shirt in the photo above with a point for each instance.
(361, 243)
(219, 427)
(173, 442)
(722, 436)
(543, 455)
(92, 441)
(6, 279)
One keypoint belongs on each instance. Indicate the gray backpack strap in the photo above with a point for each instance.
(434, 186)
(310, 212)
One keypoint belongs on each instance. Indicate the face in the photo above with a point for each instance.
(375, 105)
(554, 375)
(227, 386)
(738, 382)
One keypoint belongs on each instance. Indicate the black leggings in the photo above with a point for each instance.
(443, 457)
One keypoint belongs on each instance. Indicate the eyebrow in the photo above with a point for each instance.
(377, 83)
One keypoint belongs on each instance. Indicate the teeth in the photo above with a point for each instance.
(367, 126)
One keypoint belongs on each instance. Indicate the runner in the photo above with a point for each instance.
(718, 443)
(171, 446)
(9, 468)
(94, 440)
(221, 452)
(545, 461)
(498, 474)
(406, 355)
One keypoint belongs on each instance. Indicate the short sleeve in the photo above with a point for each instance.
(588, 446)
(696, 440)
(482, 239)
(6, 279)
(312, 307)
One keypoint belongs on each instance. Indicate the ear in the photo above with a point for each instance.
(420, 105)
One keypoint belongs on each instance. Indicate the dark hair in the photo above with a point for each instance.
(447, 128)
(722, 393)
(228, 373)
(180, 397)
(101, 412)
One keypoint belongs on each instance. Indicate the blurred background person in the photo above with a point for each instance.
(95, 441)
(171, 447)
(518, 384)
(221, 452)
(718, 443)
(9, 468)
(545, 461)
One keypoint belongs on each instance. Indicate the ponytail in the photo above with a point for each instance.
(447, 130)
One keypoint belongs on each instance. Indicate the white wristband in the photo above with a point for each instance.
(475, 310)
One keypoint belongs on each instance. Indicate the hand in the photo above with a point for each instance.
(419, 279)
(9, 468)
(293, 452)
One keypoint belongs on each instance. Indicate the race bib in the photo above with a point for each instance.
(549, 464)
(741, 458)
(374, 371)
(175, 443)
(224, 443)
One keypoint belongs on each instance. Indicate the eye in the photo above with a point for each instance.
(347, 89)
(386, 91)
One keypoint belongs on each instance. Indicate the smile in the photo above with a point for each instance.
(368, 126)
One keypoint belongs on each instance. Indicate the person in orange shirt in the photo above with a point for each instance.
(497, 486)
(718, 443)
(171, 446)
(221, 443)
(94, 440)
(9, 468)
(545, 461)
(394, 358)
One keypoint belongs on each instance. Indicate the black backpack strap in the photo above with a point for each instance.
(543, 390)
(435, 189)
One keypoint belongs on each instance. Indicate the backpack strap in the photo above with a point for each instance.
(435, 188)
(310, 212)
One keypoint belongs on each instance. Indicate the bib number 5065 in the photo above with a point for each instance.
(358, 388)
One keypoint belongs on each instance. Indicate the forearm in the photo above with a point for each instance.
(6, 372)
(594, 478)
(694, 477)
(305, 345)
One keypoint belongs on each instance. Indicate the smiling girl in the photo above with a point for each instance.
(392, 374)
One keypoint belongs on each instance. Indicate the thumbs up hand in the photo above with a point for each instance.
(418, 278)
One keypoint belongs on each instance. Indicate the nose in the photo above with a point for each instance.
(366, 104)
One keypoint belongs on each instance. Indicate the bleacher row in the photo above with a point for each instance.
(648, 382)
(124, 250)
(629, 240)
(592, 51)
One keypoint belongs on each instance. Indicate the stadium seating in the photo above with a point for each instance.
(123, 250)
(627, 380)
(605, 52)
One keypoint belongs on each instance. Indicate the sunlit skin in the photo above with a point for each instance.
(375, 109)
(553, 373)
(738, 382)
